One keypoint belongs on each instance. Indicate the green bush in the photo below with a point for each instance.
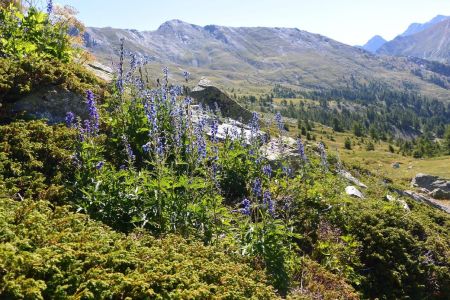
(49, 253)
(32, 34)
(36, 159)
(401, 253)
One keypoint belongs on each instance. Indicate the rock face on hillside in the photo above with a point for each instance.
(51, 103)
(209, 95)
(100, 70)
(434, 186)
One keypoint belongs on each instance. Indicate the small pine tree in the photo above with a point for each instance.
(447, 140)
(370, 146)
(357, 129)
(391, 149)
(348, 144)
(304, 130)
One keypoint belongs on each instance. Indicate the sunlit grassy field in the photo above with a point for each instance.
(380, 161)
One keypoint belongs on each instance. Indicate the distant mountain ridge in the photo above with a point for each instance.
(374, 44)
(418, 27)
(260, 57)
(432, 42)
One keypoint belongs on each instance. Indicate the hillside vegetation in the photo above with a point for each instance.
(144, 198)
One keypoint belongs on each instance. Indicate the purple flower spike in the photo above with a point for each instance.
(246, 210)
(93, 112)
(186, 75)
(279, 120)
(49, 6)
(301, 150)
(268, 203)
(70, 118)
(257, 186)
(267, 170)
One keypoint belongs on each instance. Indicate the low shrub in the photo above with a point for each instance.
(48, 252)
(36, 160)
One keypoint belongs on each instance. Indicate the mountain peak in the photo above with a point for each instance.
(174, 25)
(374, 43)
(439, 18)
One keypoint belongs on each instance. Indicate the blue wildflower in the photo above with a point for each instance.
(119, 83)
(268, 203)
(254, 124)
(160, 147)
(93, 112)
(200, 140)
(287, 171)
(186, 75)
(257, 187)
(99, 165)
(128, 150)
(49, 6)
(279, 120)
(87, 128)
(301, 150)
(187, 101)
(70, 118)
(150, 112)
(246, 210)
(146, 147)
(214, 131)
(267, 170)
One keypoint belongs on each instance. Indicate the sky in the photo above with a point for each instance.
(352, 22)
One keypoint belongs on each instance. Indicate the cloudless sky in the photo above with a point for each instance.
(349, 21)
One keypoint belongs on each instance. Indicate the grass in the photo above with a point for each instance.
(379, 161)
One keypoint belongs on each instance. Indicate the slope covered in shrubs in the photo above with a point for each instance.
(48, 252)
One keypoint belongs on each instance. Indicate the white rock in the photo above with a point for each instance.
(345, 174)
(277, 149)
(402, 203)
(353, 191)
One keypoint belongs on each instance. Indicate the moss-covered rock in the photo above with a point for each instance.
(47, 89)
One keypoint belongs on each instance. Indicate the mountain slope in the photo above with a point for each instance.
(260, 57)
(374, 44)
(432, 43)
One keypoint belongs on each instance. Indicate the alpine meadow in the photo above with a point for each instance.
(220, 162)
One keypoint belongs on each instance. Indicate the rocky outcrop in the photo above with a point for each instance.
(425, 199)
(421, 198)
(280, 148)
(433, 186)
(226, 127)
(50, 103)
(209, 95)
(100, 70)
(345, 174)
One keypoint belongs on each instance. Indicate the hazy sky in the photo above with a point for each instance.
(348, 21)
